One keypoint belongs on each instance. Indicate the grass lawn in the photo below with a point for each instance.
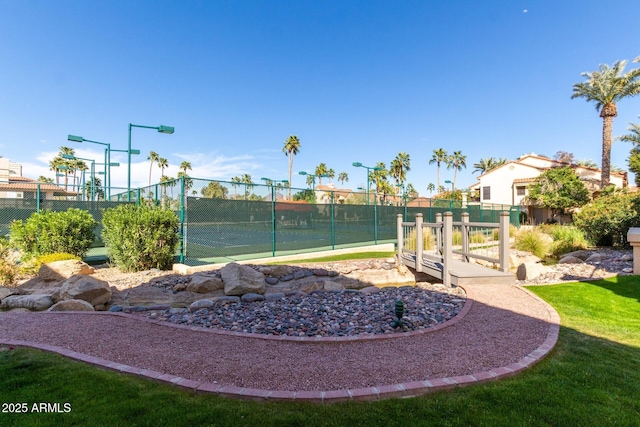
(592, 378)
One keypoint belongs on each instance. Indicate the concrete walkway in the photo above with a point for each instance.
(501, 331)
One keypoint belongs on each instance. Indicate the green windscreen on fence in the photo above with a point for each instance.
(223, 221)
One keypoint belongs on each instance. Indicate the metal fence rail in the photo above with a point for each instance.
(222, 220)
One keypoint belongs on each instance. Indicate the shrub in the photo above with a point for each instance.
(47, 232)
(140, 237)
(606, 220)
(428, 240)
(534, 241)
(565, 238)
(8, 258)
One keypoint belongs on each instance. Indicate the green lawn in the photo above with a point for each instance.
(592, 378)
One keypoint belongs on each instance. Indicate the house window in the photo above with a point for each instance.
(520, 190)
(486, 193)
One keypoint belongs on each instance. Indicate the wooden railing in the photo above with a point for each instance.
(436, 243)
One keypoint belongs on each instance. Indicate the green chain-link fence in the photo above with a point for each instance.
(223, 221)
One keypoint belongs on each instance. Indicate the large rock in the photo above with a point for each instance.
(530, 270)
(570, 259)
(87, 288)
(517, 258)
(62, 270)
(5, 292)
(149, 295)
(37, 302)
(71, 305)
(203, 283)
(306, 285)
(381, 277)
(241, 279)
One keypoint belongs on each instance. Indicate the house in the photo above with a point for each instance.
(508, 184)
(323, 193)
(14, 186)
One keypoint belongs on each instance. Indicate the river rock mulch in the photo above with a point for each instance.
(328, 314)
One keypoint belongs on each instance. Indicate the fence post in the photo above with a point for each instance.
(273, 221)
(419, 242)
(183, 235)
(333, 220)
(400, 234)
(504, 241)
(38, 198)
(375, 218)
(465, 230)
(447, 244)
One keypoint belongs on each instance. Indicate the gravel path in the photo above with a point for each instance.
(502, 325)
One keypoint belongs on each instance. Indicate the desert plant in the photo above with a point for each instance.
(8, 258)
(565, 238)
(606, 220)
(534, 241)
(47, 232)
(428, 240)
(140, 237)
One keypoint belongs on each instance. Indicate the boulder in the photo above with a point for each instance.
(61, 270)
(5, 292)
(333, 286)
(241, 279)
(71, 305)
(595, 258)
(306, 285)
(87, 288)
(251, 298)
(570, 259)
(203, 283)
(381, 277)
(37, 302)
(530, 270)
(148, 295)
(516, 258)
(203, 303)
(370, 290)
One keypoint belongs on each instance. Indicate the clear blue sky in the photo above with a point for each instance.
(354, 80)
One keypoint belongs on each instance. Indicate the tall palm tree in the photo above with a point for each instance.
(606, 87)
(291, 148)
(153, 157)
(248, 184)
(431, 188)
(634, 135)
(162, 164)
(343, 177)
(439, 156)
(399, 168)
(185, 166)
(457, 161)
(321, 170)
(235, 181)
(634, 155)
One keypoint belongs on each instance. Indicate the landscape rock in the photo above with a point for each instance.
(306, 285)
(71, 305)
(226, 300)
(87, 288)
(36, 302)
(370, 290)
(241, 279)
(570, 259)
(62, 270)
(203, 283)
(333, 286)
(530, 270)
(252, 298)
(5, 292)
(203, 303)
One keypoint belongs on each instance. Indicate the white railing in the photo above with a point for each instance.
(437, 242)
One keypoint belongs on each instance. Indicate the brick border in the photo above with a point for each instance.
(406, 389)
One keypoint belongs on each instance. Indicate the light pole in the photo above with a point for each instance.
(368, 168)
(107, 158)
(272, 183)
(162, 129)
(452, 191)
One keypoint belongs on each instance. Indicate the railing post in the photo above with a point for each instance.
(439, 233)
(504, 241)
(447, 243)
(419, 242)
(400, 234)
(465, 230)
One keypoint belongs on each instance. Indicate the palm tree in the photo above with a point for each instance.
(343, 177)
(606, 87)
(457, 161)
(633, 136)
(439, 156)
(634, 155)
(235, 181)
(248, 184)
(153, 157)
(291, 148)
(487, 164)
(162, 164)
(399, 168)
(321, 170)
(43, 179)
(185, 166)
(431, 188)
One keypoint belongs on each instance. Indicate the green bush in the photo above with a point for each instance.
(606, 220)
(140, 237)
(8, 268)
(565, 238)
(534, 241)
(47, 232)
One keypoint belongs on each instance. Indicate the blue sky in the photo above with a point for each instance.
(354, 80)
